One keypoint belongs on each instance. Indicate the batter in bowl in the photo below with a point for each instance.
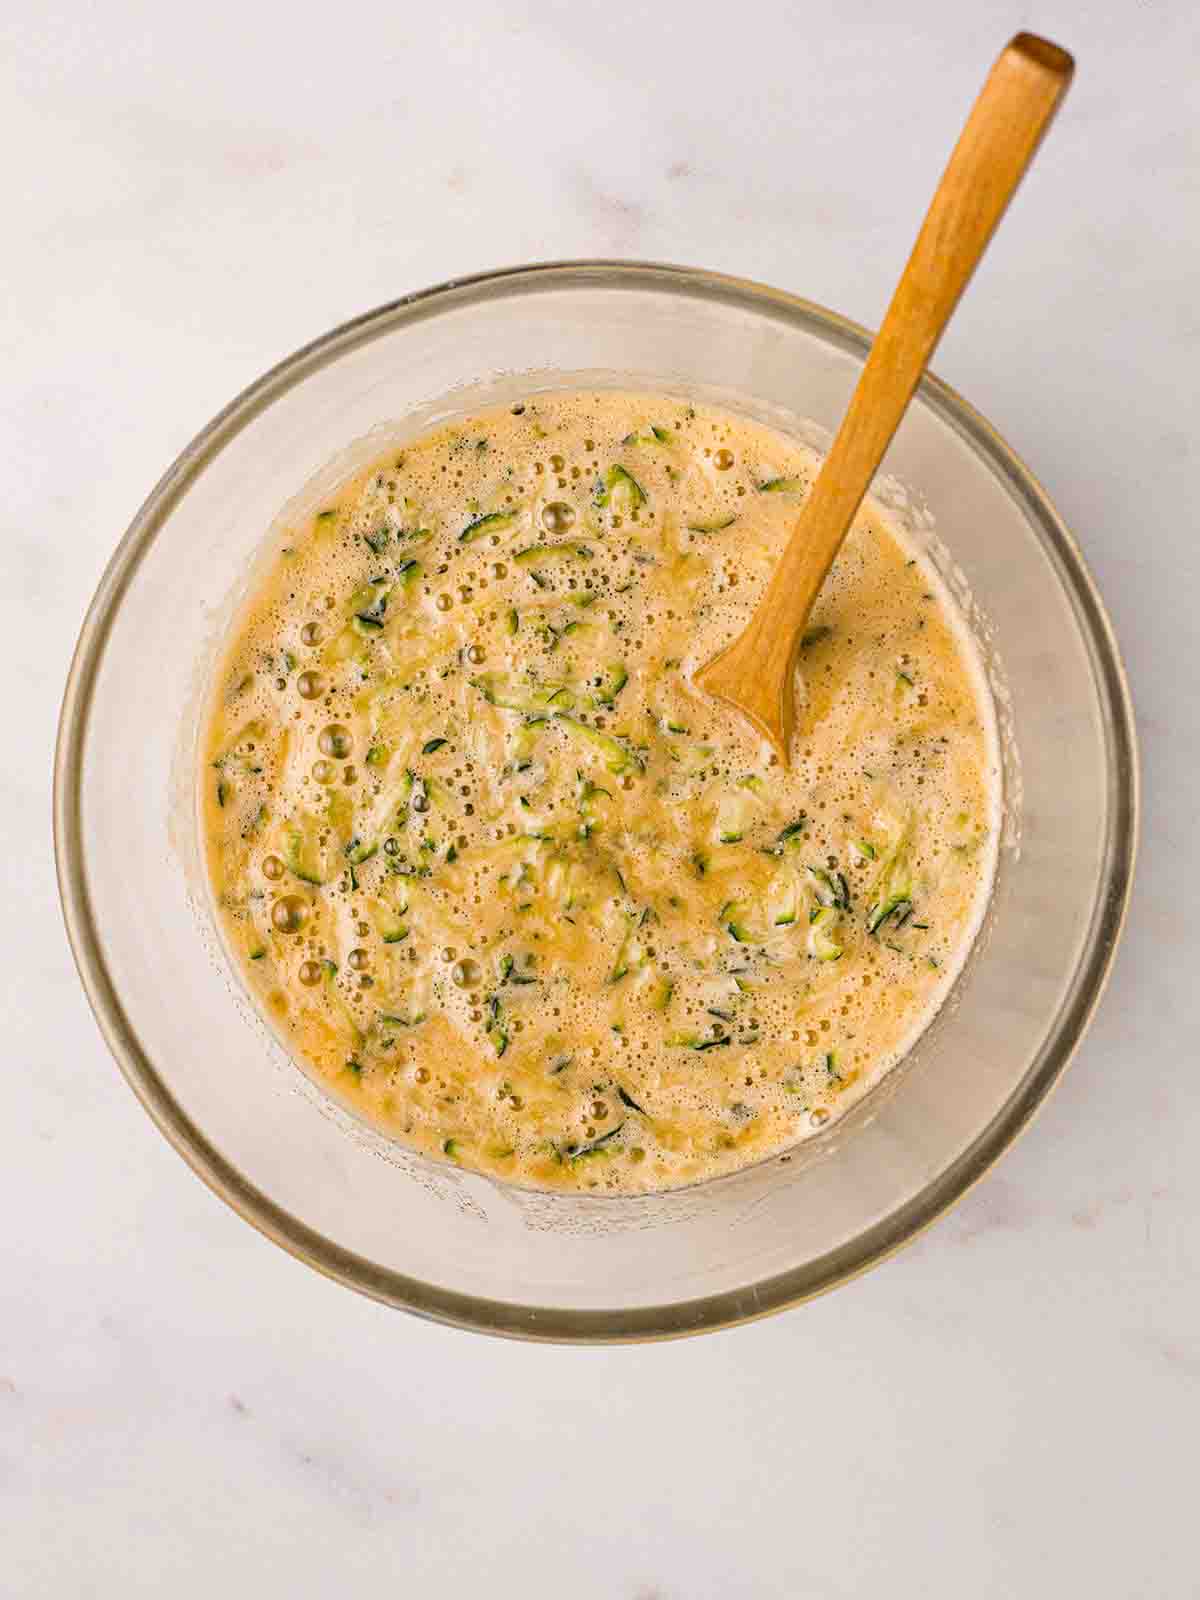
(517, 891)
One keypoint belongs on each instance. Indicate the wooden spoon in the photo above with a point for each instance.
(756, 673)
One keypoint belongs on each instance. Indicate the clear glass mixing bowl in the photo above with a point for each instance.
(459, 1247)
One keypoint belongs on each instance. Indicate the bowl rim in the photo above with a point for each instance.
(729, 1307)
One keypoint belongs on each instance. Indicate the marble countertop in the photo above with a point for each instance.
(1006, 1408)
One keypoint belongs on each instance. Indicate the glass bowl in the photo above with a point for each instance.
(457, 1246)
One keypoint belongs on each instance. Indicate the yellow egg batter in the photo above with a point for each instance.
(509, 883)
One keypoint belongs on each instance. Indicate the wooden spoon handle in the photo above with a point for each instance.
(1004, 129)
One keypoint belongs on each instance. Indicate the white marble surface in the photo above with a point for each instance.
(1007, 1408)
